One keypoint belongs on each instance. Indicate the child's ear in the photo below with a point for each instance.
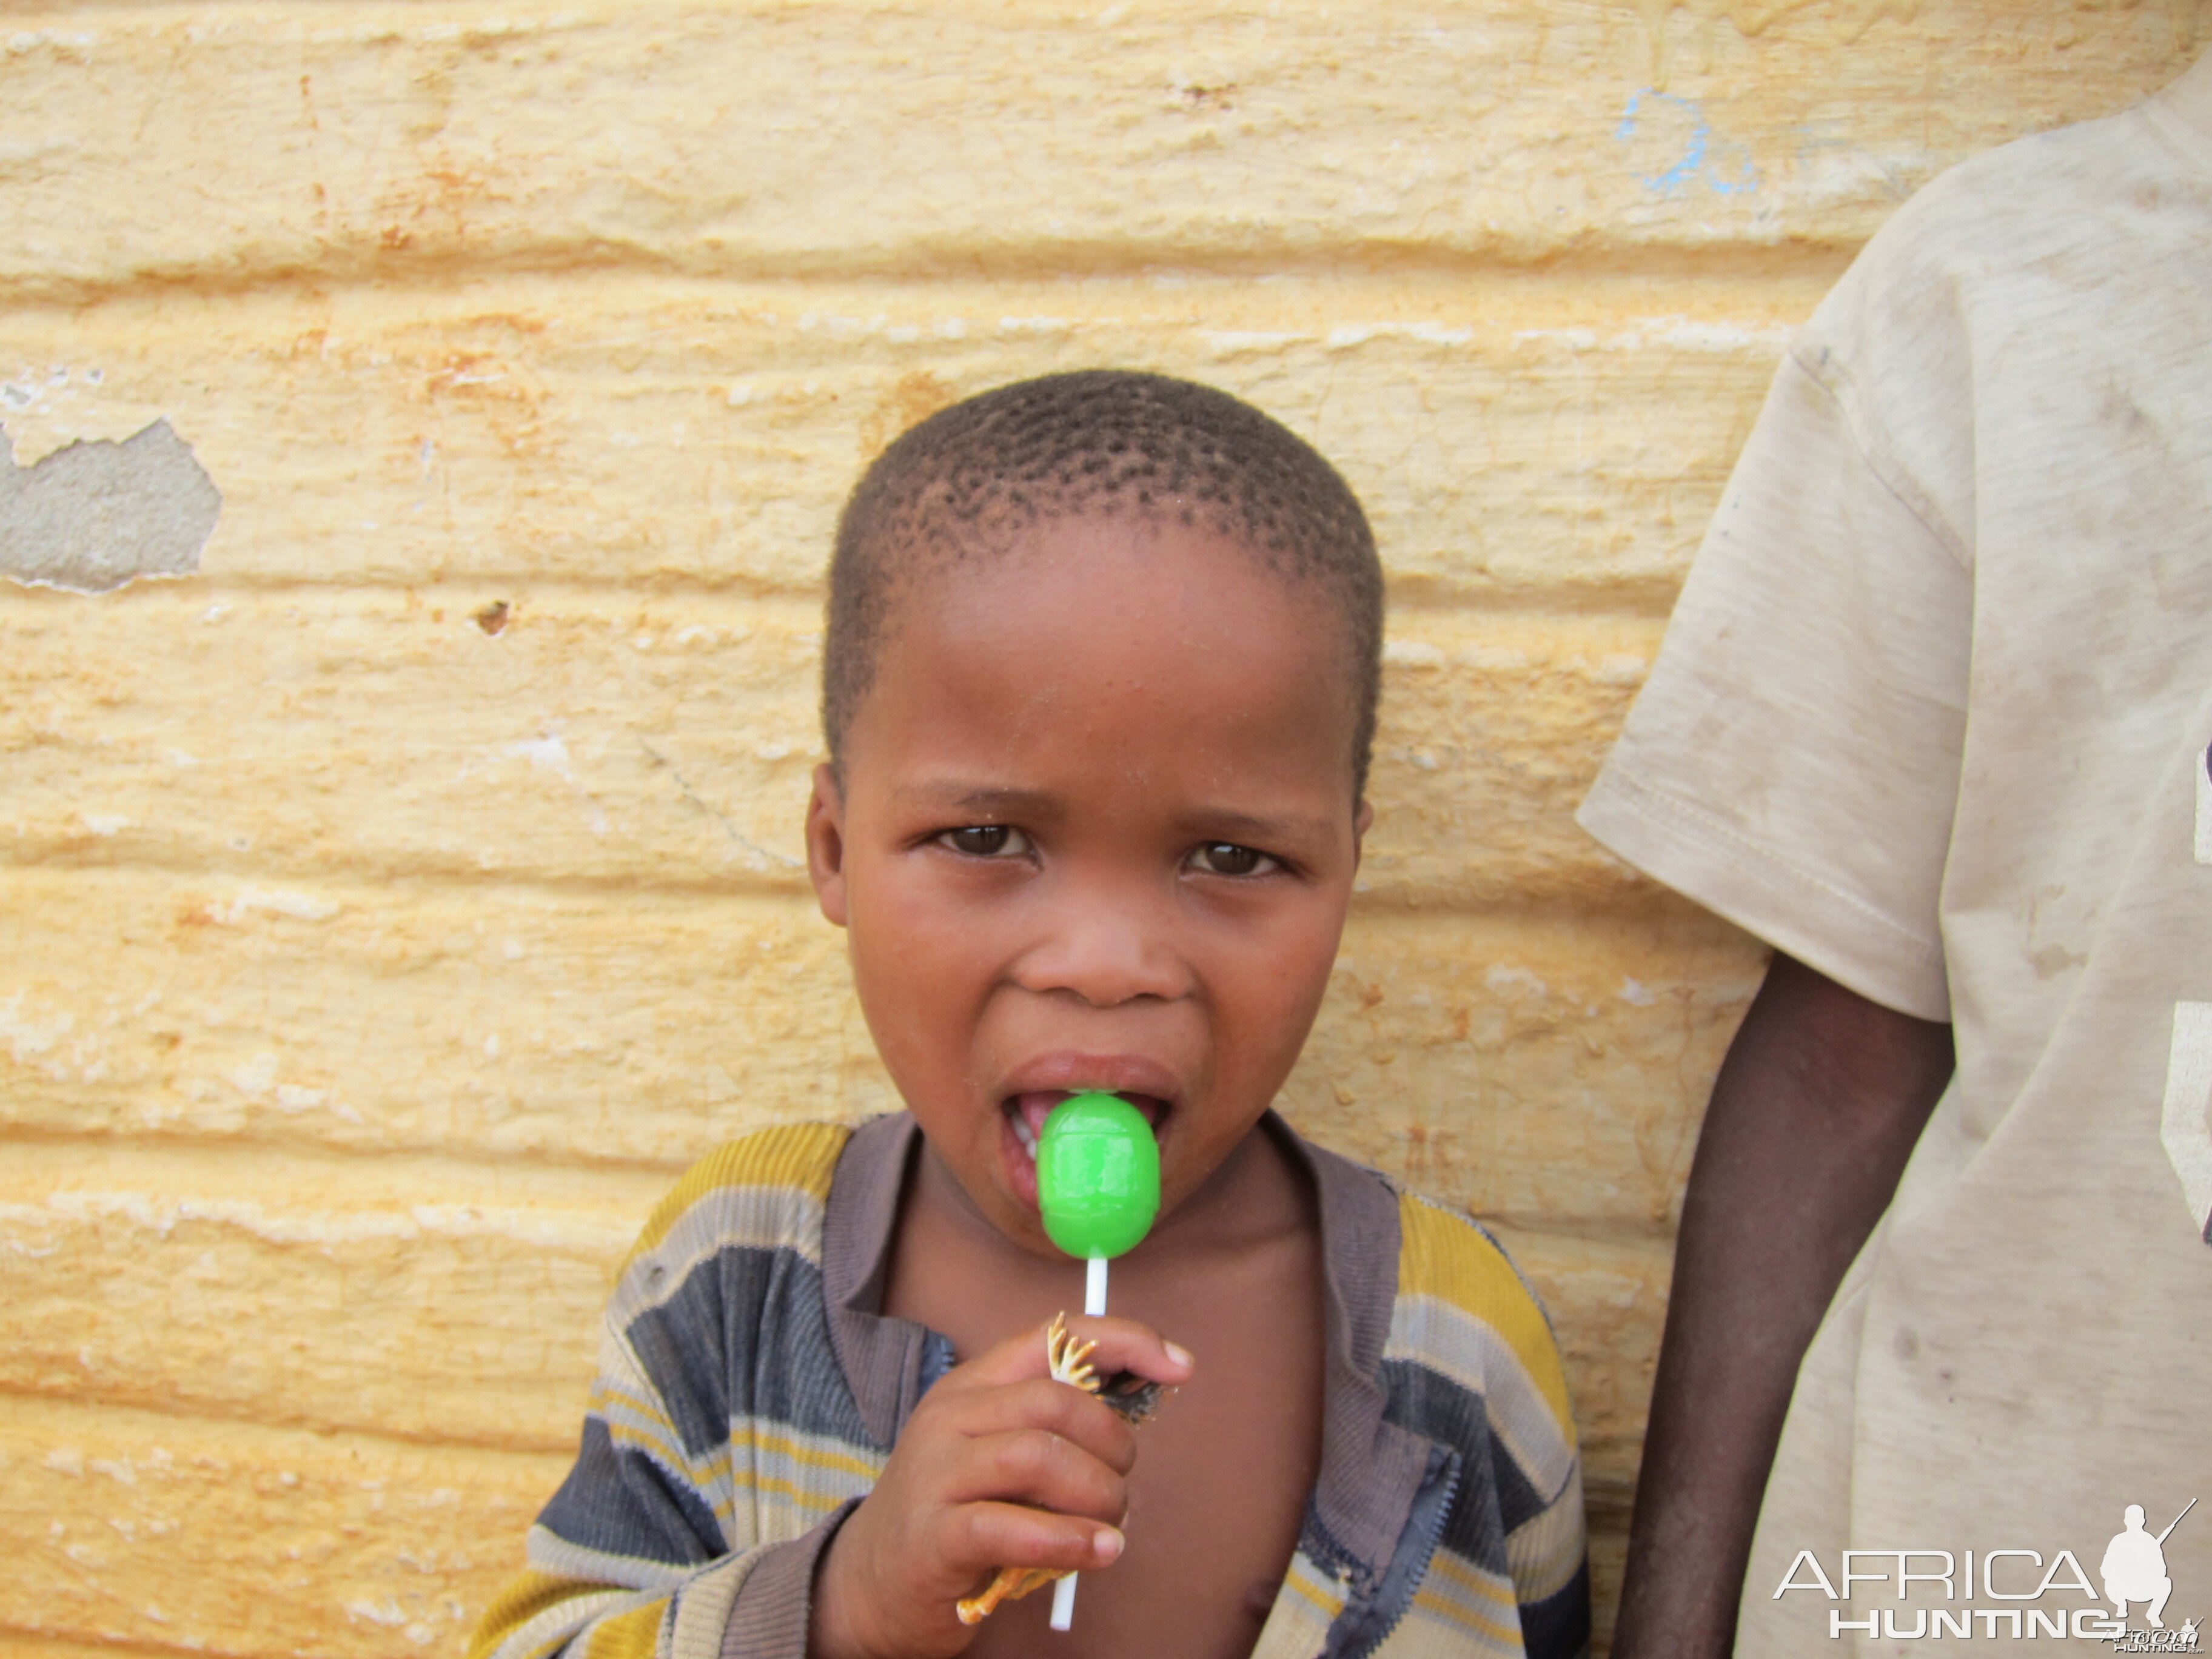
(825, 844)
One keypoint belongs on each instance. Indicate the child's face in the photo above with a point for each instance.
(1096, 830)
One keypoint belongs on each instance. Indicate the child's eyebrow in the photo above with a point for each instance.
(1037, 805)
(978, 798)
(1226, 823)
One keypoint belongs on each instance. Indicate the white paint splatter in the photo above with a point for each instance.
(545, 754)
(1692, 336)
(1506, 980)
(28, 1037)
(250, 901)
(1348, 335)
(1576, 340)
(1412, 653)
(253, 1078)
(1228, 342)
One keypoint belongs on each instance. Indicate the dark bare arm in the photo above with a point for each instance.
(1815, 1109)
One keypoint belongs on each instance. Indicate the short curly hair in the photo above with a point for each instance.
(964, 482)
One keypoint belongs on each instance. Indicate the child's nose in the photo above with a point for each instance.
(1106, 953)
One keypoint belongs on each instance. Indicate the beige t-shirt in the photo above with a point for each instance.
(1933, 717)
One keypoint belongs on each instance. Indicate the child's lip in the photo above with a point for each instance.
(1030, 1092)
(1022, 1122)
(1030, 1107)
(1070, 1072)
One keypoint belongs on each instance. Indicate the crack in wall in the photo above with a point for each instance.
(92, 516)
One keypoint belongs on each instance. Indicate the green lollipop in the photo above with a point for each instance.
(1098, 1185)
(1098, 1176)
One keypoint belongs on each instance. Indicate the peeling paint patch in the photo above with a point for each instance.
(93, 516)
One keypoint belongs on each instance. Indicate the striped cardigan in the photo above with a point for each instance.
(749, 1395)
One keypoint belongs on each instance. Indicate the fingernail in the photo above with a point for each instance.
(1180, 1354)
(1106, 1543)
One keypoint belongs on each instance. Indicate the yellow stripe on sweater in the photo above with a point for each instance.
(729, 1460)
(1467, 1618)
(632, 1635)
(754, 1434)
(524, 1597)
(1307, 1580)
(1448, 1257)
(1471, 1579)
(801, 1156)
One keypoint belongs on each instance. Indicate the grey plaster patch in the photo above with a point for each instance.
(94, 516)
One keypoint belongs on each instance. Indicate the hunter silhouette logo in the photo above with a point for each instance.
(2134, 1566)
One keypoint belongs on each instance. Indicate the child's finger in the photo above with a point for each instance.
(980, 1538)
(1037, 1467)
(1043, 1405)
(1122, 1345)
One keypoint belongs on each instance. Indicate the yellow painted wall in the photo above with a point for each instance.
(365, 972)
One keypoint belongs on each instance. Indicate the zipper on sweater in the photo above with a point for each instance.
(1435, 1534)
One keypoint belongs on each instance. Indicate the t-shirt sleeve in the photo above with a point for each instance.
(1792, 762)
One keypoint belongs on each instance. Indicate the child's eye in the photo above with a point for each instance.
(1226, 858)
(987, 841)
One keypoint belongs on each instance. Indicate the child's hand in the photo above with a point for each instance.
(1000, 1466)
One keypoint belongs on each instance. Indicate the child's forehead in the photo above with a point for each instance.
(1093, 625)
(1079, 578)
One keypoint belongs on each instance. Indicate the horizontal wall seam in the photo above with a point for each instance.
(910, 269)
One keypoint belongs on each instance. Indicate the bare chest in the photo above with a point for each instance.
(1216, 1499)
(1225, 1468)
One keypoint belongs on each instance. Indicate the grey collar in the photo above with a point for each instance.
(1370, 1469)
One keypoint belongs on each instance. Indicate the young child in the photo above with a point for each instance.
(1099, 689)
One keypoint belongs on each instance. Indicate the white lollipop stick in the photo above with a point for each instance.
(1094, 1304)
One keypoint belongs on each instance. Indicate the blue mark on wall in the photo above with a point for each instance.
(1664, 124)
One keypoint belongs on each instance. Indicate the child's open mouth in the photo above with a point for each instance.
(1022, 1119)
